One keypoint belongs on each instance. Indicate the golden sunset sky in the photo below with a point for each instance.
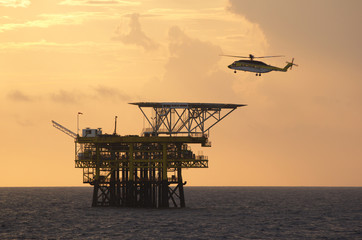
(300, 128)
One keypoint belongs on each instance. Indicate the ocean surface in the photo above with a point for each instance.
(210, 213)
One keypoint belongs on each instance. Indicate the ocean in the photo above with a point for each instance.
(210, 213)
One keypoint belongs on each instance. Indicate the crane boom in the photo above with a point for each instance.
(64, 129)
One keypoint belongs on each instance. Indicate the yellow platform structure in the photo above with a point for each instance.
(146, 170)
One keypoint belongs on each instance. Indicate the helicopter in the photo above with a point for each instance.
(258, 67)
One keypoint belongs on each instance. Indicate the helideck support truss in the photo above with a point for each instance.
(192, 119)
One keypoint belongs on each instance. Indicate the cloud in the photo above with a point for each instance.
(98, 3)
(99, 93)
(321, 34)
(191, 14)
(190, 54)
(23, 122)
(135, 36)
(14, 3)
(191, 72)
(47, 20)
(104, 92)
(53, 46)
(19, 96)
(66, 97)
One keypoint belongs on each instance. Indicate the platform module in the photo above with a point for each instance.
(146, 170)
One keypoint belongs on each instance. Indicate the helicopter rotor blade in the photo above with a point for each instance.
(270, 56)
(234, 56)
(251, 56)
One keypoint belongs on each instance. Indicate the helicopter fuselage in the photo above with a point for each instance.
(253, 66)
(257, 67)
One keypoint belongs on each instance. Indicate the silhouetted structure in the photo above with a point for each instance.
(146, 170)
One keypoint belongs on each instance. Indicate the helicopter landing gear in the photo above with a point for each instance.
(235, 71)
(258, 74)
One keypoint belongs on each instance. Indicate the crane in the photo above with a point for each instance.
(64, 129)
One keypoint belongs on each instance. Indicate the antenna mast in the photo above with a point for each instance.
(115, 125)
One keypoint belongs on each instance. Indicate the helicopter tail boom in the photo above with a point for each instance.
(289, 65)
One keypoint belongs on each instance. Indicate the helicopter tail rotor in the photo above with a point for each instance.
(292, 64)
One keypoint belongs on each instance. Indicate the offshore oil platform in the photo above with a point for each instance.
(146, 170)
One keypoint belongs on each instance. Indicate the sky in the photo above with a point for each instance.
(300, 128)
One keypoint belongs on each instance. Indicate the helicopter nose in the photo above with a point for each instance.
(229, 66)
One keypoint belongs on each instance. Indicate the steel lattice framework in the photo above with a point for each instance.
(184, 118)
(136, 171)
(146, 170)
